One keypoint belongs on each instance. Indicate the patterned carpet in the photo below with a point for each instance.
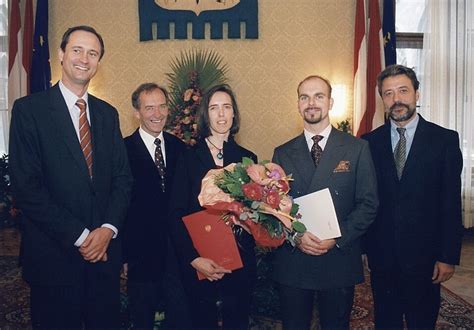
(14, 305)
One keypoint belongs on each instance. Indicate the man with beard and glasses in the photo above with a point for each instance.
(415, 240)
(323, 157)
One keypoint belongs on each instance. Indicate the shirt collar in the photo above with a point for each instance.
(324, 133)
(410, 127)
(148, 138)
(70, 97)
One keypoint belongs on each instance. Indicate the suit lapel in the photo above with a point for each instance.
(171, 154)
(140, 150)
(333, 153)
(300, 156)
(418, 146)
(62, 119)
(385, 145)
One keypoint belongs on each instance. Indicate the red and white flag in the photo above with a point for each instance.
(19, 50)
(368, 63)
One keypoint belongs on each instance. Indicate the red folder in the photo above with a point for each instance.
(213, 239)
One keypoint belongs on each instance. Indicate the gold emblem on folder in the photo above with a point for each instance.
(197, 6)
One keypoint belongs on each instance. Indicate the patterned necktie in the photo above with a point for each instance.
(399, 154)
(85, 134)
(316, 150)
(159, 162)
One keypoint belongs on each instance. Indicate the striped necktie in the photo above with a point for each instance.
(400, 152)
(85, 134)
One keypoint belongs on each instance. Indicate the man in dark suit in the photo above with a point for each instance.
(152, 156)
(71, 179)
(323, 157)
(415, 240)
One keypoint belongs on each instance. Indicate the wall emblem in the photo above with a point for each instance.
(197, 12)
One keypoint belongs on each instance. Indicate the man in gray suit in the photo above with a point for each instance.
(323, 157)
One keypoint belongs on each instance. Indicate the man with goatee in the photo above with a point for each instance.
(323, 157)
(415, 240)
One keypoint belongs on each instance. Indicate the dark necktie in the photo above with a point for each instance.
(159, 162)
(85, 134)
(400, 152)
(316, 150)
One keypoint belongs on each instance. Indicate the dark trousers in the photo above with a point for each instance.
(93, 303)
(334, 306)
(143, 302)
(228, 312)
(147, 298)
(411, 295)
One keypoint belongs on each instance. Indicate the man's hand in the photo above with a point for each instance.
(209, 268)
(442, 272)
(310, 244)
(95, 245)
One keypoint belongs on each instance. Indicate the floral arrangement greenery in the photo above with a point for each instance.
(254, 196)
(344, 126)
(193, 74)
(6, 207)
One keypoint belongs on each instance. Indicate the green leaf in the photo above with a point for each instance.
(294, 209)
(298, 226)
(246, 161)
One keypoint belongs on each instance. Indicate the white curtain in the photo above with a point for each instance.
(4, 117)
(447, 93)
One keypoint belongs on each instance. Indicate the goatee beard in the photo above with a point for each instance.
(408, 115)
(313, 119)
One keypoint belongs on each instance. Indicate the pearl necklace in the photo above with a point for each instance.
(219, 155)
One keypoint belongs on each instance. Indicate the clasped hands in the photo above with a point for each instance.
(95, 246)
(310, 244)
(211, 270)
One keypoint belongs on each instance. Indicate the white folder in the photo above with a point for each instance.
(318, 214)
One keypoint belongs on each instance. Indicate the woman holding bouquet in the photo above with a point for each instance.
(224, 296)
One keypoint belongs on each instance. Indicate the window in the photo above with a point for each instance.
(409, 26)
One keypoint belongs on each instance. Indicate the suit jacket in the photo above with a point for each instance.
(419, 218)
(146, 227)
(191, 169)
(52, 187)
(354, 193)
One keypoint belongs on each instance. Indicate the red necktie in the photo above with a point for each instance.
(85, 134)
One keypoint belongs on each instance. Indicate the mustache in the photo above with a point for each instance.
(398, 104)
(312, 108)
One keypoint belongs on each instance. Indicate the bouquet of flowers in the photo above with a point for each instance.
(254, 196)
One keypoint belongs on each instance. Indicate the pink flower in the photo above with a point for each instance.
(285, 204)
(275, 171)
(283, 217)
(258, 174)
(252, 191)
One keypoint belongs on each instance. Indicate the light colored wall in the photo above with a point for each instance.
(297, 38)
